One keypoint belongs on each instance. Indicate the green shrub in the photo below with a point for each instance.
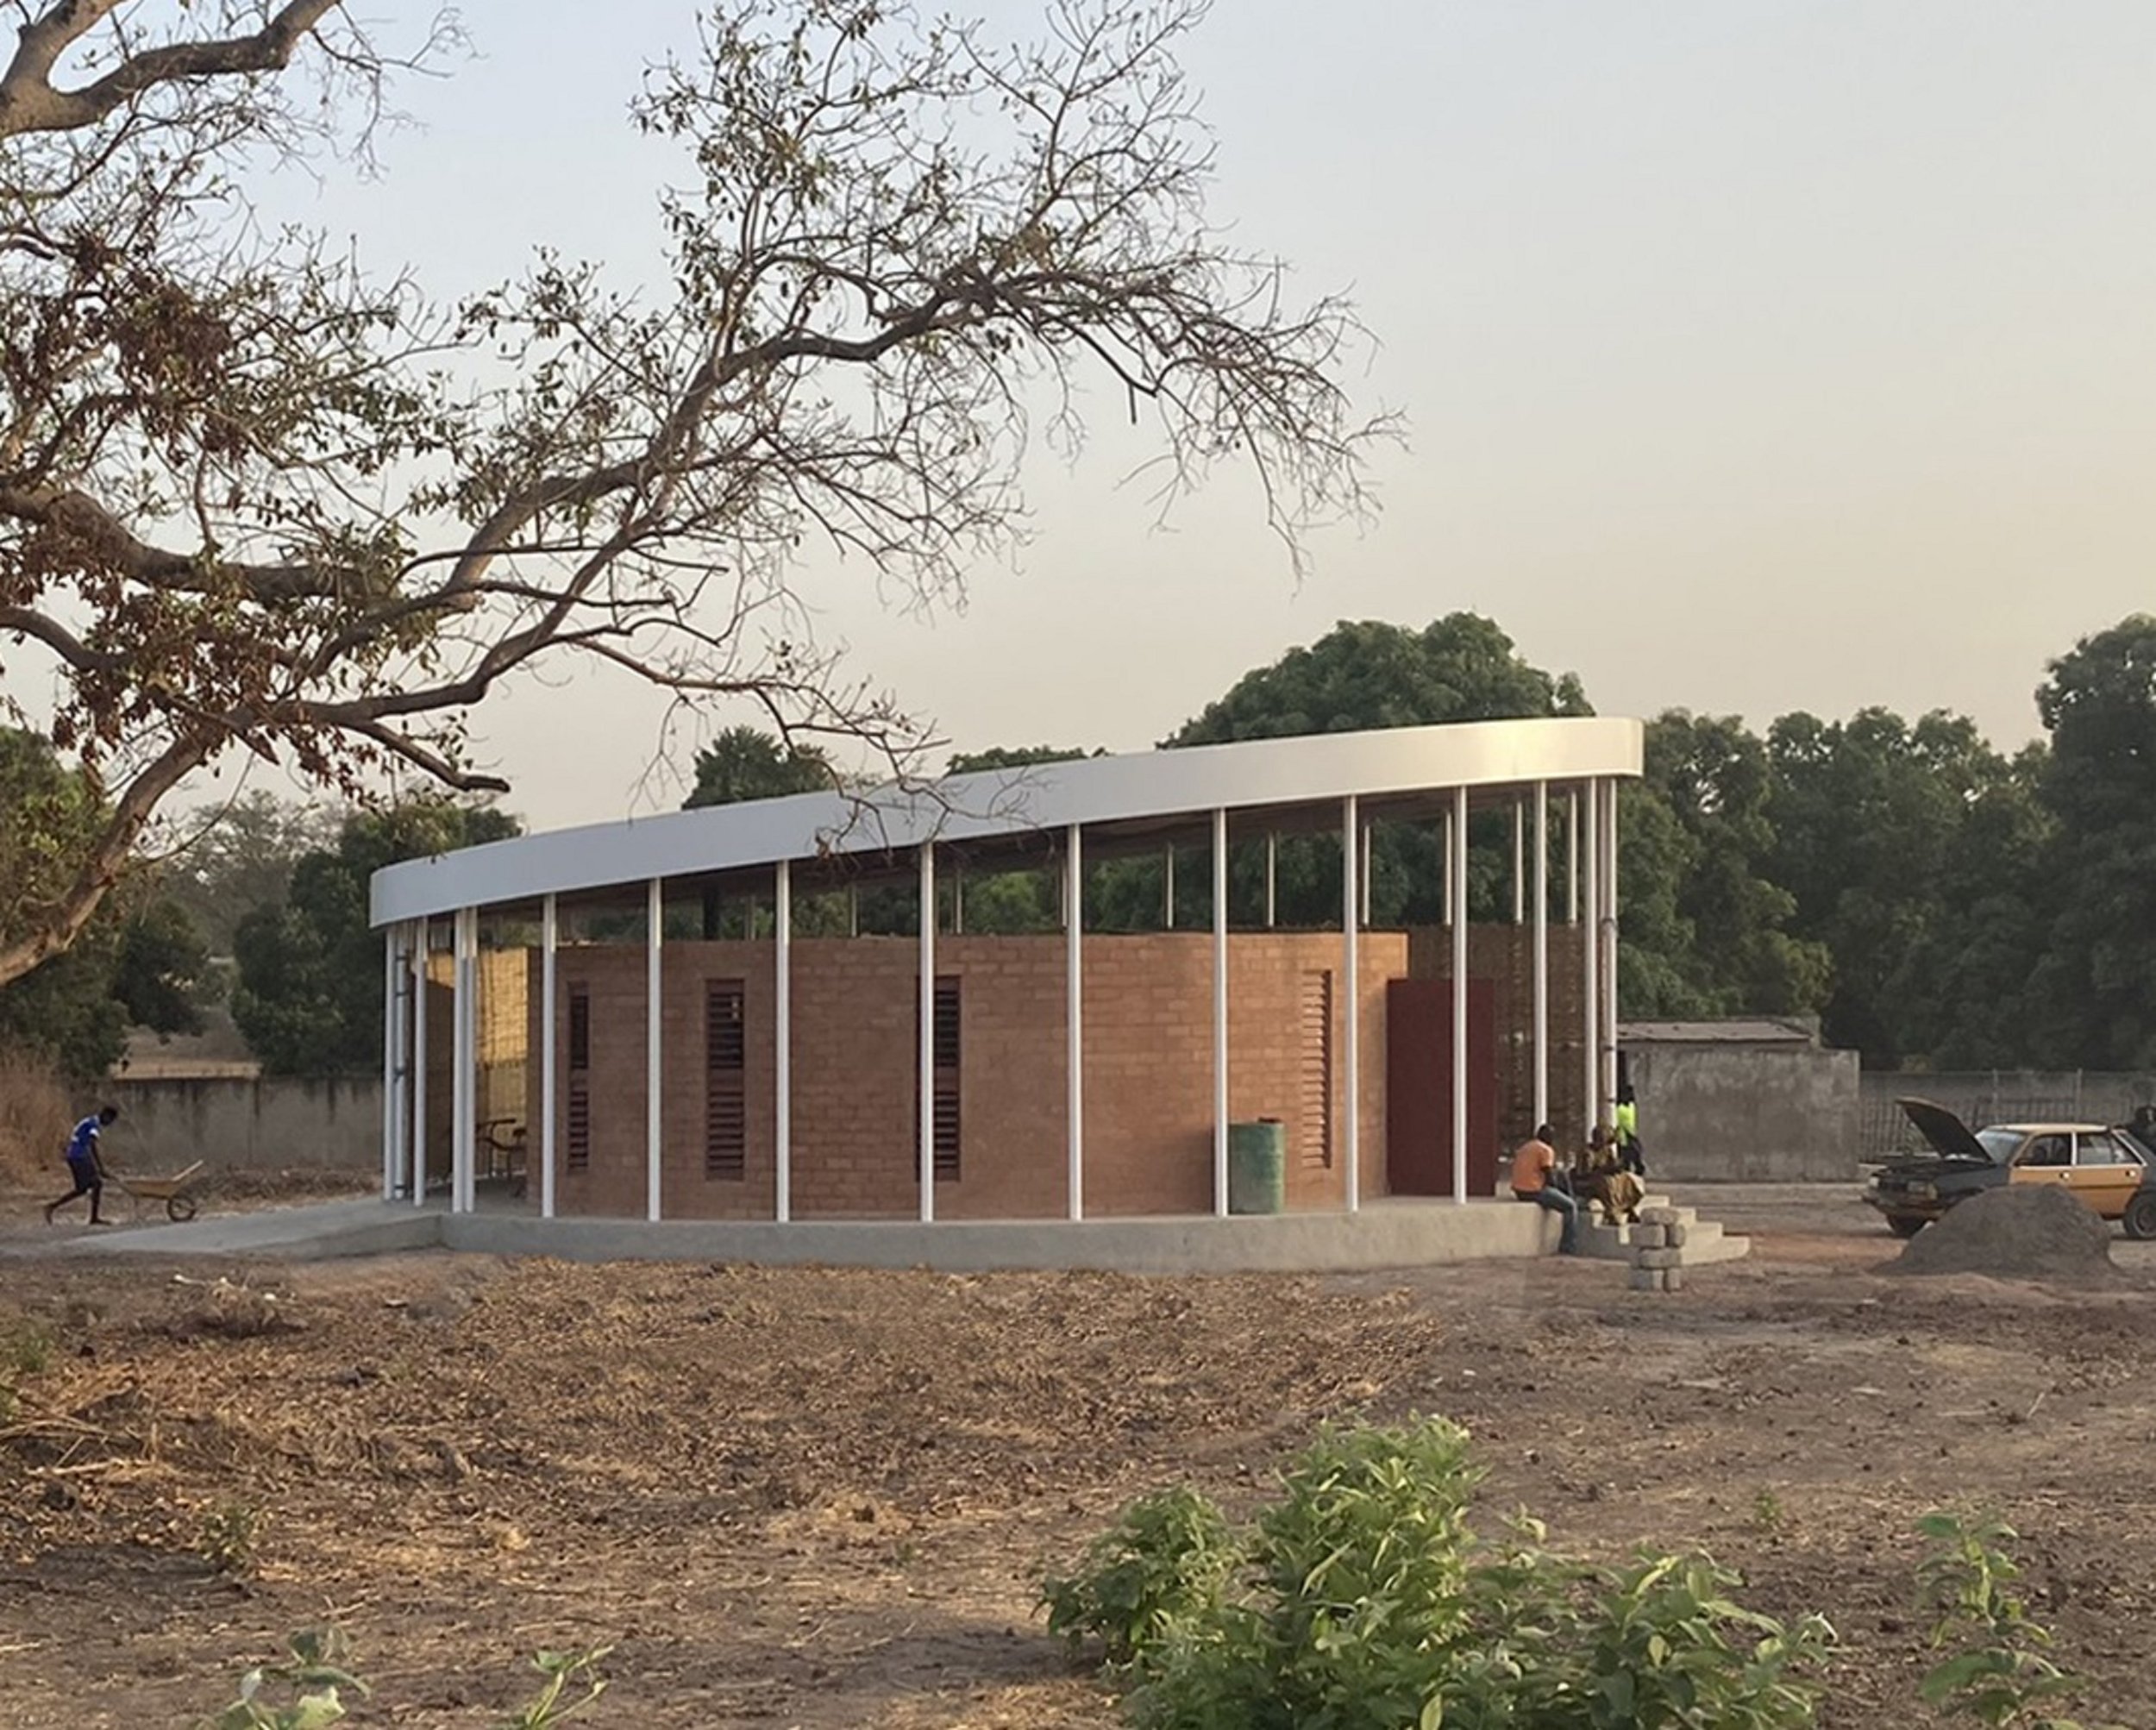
(1362, 1600)
(230, 1531)
(304, 1695)
(1995, 1669)
(1163, 1563)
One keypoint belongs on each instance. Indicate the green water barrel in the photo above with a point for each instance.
(1257, 1166)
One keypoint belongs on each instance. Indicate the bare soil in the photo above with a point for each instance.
(821, 1498)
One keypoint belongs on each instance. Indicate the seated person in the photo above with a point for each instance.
(1535, 1178)
(1607, 1181)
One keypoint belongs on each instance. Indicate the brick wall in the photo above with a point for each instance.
(1148, 1072)
(1505, 954)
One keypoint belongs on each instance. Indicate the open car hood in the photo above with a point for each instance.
(1949, 1138)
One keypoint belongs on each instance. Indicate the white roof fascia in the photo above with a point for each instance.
(1046, 796)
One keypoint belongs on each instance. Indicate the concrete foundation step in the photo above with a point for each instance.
(1705, 1241)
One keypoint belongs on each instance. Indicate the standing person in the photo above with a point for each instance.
(1535, 1178)
(1630, 1154)
(84, 1165)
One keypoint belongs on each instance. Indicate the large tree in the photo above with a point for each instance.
(252, 497)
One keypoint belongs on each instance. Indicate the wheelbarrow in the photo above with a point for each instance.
(176, 1191)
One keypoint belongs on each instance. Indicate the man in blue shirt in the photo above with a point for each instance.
(82, 1164)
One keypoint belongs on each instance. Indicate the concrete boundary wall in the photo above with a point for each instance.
(244, 1124)
(1746, 1114)
(1991, 1096)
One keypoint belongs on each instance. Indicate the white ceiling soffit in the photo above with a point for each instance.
(1254, 773)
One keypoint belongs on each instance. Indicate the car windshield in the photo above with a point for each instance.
(1999, 1143)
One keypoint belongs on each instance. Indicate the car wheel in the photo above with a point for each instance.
(1902, 1226)
(2141, 1216)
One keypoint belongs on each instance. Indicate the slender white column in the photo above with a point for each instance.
(782, 1037)
(1591, 988)
(957, 899)
(1459, 1005)
(419, 1063)
(1352, 984)
(926, 1151)
(1074, 1011)
(1519, 863)
(1445, 833)
(463, 1139)
(1272, 864)
(1367, 852)
(655, 1047)
(1609, 944)
(853, 913)
(389, 1061)
(550, 1051)
(1542, 952)
(1168, 891)
(1220, 1011)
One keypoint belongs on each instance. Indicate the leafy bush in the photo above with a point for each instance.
(1164, 1561)
(1996, 1672)
(230, 1531)
(1362, 1600)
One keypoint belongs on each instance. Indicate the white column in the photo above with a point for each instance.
(1519, 863)
(1445, 911)
(782, 1037)
(419, 1063)
(1220, 1011)
(1167, 890)
(389, 1061)
(1351, 983)
(550, 1051)
(853, 913)
(463, 1140)
(1609, 944)
(1459, 1004)
(926, 1151)
(1542, 952)
(1073, 1013)
(1366, 874)
(1272, 862)
(654, 1046)
(1590, 1009)
(957, 899)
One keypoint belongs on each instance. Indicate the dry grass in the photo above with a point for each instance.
(34, 1120)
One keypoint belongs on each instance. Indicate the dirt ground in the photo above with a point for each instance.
(821, 1498)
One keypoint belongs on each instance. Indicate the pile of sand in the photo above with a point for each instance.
(2014, 1232)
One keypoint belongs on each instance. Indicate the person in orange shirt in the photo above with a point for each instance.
(1535, 1178)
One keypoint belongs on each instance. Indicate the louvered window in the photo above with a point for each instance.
(944, 1133)
(1314, 1072)
(725, 1101)
(578, 1155)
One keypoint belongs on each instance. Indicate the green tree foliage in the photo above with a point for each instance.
(747, 762)
(309, 997)
(2097, 977)
(139, 960)
(1725, 920)
(1886, 835)
(1358, 676)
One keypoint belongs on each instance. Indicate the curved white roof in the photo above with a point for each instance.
(1254, 772)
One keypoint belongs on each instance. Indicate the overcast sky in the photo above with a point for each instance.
(1757, 356)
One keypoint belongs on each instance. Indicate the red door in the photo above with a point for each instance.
(1418, 1087)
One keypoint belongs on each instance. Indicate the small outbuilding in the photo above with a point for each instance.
(777, 1010)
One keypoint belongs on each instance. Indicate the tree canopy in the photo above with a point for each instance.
(254, 497)
(308, 996)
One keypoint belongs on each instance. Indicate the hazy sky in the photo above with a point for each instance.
(1757, 356)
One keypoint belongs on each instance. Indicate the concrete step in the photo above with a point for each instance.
(1705, 1241)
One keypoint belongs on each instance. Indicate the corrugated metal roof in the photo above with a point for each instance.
(1737, 1030)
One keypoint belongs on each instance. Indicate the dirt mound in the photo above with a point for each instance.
(2013, 1232)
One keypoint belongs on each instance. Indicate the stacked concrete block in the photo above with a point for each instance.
(1658, 1250)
